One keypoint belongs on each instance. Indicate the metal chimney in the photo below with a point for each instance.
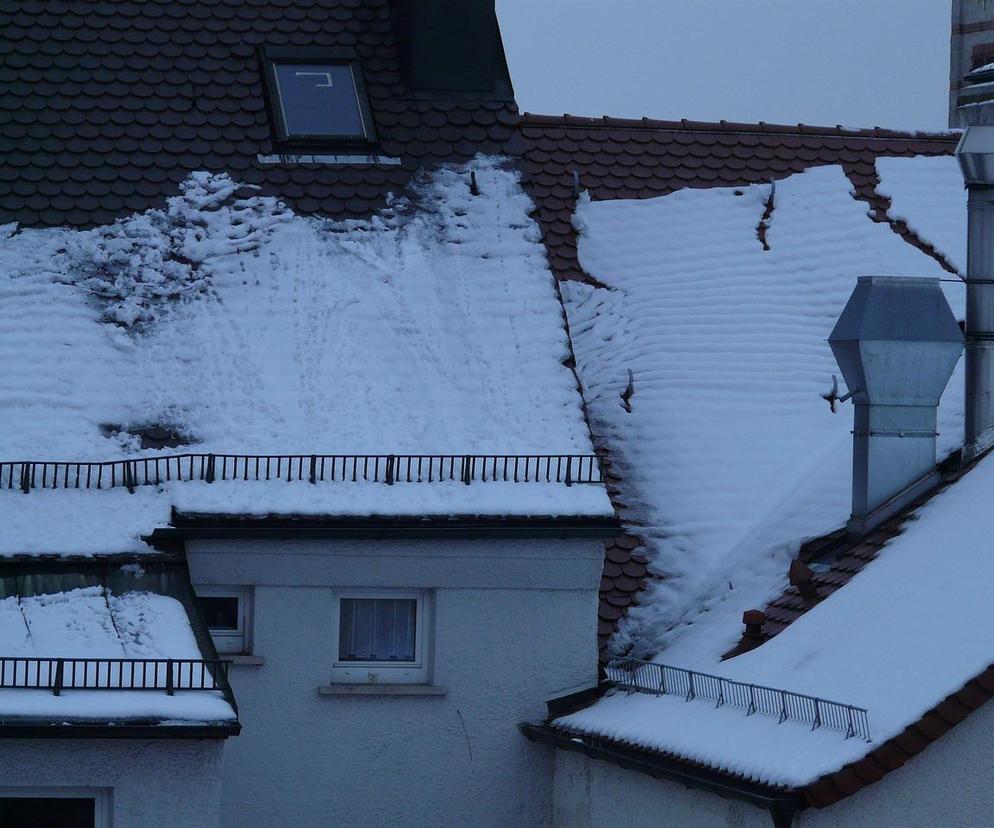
(897, 343)
(976, 158)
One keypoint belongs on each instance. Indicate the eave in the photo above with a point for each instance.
(116, 730)
(782, 804)
(202, 526)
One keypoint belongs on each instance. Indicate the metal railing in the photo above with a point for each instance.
(58, 674)
(638, 676)
(313, 468)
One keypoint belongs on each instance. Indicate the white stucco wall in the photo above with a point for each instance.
(154, 783)
(515, 624)
(951, 783)
(591, 793)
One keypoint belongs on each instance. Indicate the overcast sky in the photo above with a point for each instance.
(854, 62)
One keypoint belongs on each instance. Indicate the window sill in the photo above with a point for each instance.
(236, 658)
(382, 690)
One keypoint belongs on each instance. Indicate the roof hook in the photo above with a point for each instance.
(474, 188)
(833, 396)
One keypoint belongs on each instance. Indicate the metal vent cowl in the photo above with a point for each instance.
(897, 343)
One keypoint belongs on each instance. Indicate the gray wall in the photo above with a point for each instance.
(515, 623)
(951, 783)
(154, 783)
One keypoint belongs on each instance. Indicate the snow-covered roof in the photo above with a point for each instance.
(92, 628)
(729, 459)
(431, 328)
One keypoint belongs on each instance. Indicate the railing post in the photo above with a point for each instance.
(314, 469)
(752, 700)
(25, 477)
(783, 707)
(129, 476)
(57, 687)
(210, 468)
(569, 470)
(169, 676)
(466, 474)
(817, 722)
(391, 460)
(690, 685)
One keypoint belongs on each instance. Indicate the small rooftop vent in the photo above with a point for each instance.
(897, 343)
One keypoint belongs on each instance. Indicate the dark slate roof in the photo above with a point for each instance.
(623, 158)
(106, 106)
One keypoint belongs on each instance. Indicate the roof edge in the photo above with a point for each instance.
(607, 121)
(111, 730)
(896, 751)
(201, 526)
(782, 804)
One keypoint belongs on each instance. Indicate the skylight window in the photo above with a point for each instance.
(318, 100)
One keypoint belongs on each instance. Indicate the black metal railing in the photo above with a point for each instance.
(58, 674)
(638, 676)
(313, 468)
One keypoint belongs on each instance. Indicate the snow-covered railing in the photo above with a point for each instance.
(58, 674)
(638, 676)
(313, 468)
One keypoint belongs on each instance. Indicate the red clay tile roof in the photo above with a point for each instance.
(850, 558)
(615, 158)
(623, 158)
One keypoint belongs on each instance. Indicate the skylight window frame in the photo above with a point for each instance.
(282, 137)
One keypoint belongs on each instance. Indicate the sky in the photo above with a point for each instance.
(852, 62)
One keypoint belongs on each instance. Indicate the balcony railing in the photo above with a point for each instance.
(657, 679)
(313, 468)
(58, 674)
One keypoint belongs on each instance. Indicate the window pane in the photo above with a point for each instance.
(220, 613)
(319, 99)
(55, 812)
(377, 629)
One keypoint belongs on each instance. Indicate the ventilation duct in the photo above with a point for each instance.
(976, 158)
(896, 343)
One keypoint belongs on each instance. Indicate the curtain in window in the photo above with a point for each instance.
(377, 629)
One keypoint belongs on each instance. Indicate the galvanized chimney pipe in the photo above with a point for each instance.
(897, 343)
(979, 414)
(975, 153)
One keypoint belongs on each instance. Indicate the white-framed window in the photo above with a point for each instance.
(382, 637)
(78, 807)
(227, 611)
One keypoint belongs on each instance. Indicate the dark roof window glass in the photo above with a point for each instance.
(320, 101)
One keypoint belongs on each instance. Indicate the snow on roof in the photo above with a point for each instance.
(928, 194)
(432, 328)
(91, 622)
(729, 457)
(924, 614)
(91, 522)
(727, 344)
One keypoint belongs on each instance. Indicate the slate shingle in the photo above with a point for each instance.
(138, 95)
